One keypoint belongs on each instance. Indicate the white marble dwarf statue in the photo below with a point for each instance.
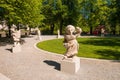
(78, 31)
(58, 33)
(70, 42)
(38, 33)
(16, 34)
(3, 26)
(27, 28)
(102, 32)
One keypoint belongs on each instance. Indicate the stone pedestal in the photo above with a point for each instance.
(16, 49)
(70, 65)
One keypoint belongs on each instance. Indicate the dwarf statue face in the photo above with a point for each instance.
(70, 29)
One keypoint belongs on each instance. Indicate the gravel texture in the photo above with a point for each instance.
(35, 64)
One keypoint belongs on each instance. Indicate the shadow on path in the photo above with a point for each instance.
(5, 41)
(9, 49)
(53, 63)
(9, 41)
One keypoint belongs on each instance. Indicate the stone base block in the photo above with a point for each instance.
(16, 49)
(70, 65)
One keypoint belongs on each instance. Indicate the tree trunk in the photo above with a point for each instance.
(9, 31)
(52, 28)
(61, 27)
(114, 30)
(91, 30)
(119, 32)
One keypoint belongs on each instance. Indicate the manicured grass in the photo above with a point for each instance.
(100, 48)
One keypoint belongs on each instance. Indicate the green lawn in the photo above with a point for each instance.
(100, 48)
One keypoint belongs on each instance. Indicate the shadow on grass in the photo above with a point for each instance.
(53, 63)
(109, 54)
(102, 41)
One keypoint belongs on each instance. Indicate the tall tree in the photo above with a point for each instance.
(95, 12)
(73, 11)
(114, 19)
(54, 12)
(22, 11)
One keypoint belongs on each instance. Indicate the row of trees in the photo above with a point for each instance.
(56, 14)
(21, 11)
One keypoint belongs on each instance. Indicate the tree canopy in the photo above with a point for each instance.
(21, 11)
(87, 14)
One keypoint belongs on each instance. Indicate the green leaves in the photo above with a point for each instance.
(83, 13)
(22, 11)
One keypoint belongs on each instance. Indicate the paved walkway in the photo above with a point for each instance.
(34, 64)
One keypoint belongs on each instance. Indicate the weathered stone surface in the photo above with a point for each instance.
(70, 65)
(16, 48)
(70, 42)
(2, 77)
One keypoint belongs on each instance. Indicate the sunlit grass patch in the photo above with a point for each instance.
(100, 48)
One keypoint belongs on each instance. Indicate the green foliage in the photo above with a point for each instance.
(22, 11)
(94, 12)
(114, 20)
(57, 14)
(101, 48)
(73, 7)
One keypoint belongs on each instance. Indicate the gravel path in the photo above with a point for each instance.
(34, 64)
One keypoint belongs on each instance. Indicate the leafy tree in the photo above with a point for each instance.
(61, 14)
(94, 12)
(22, 11)
(114, 15)
(73, 12)
(54, 13)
